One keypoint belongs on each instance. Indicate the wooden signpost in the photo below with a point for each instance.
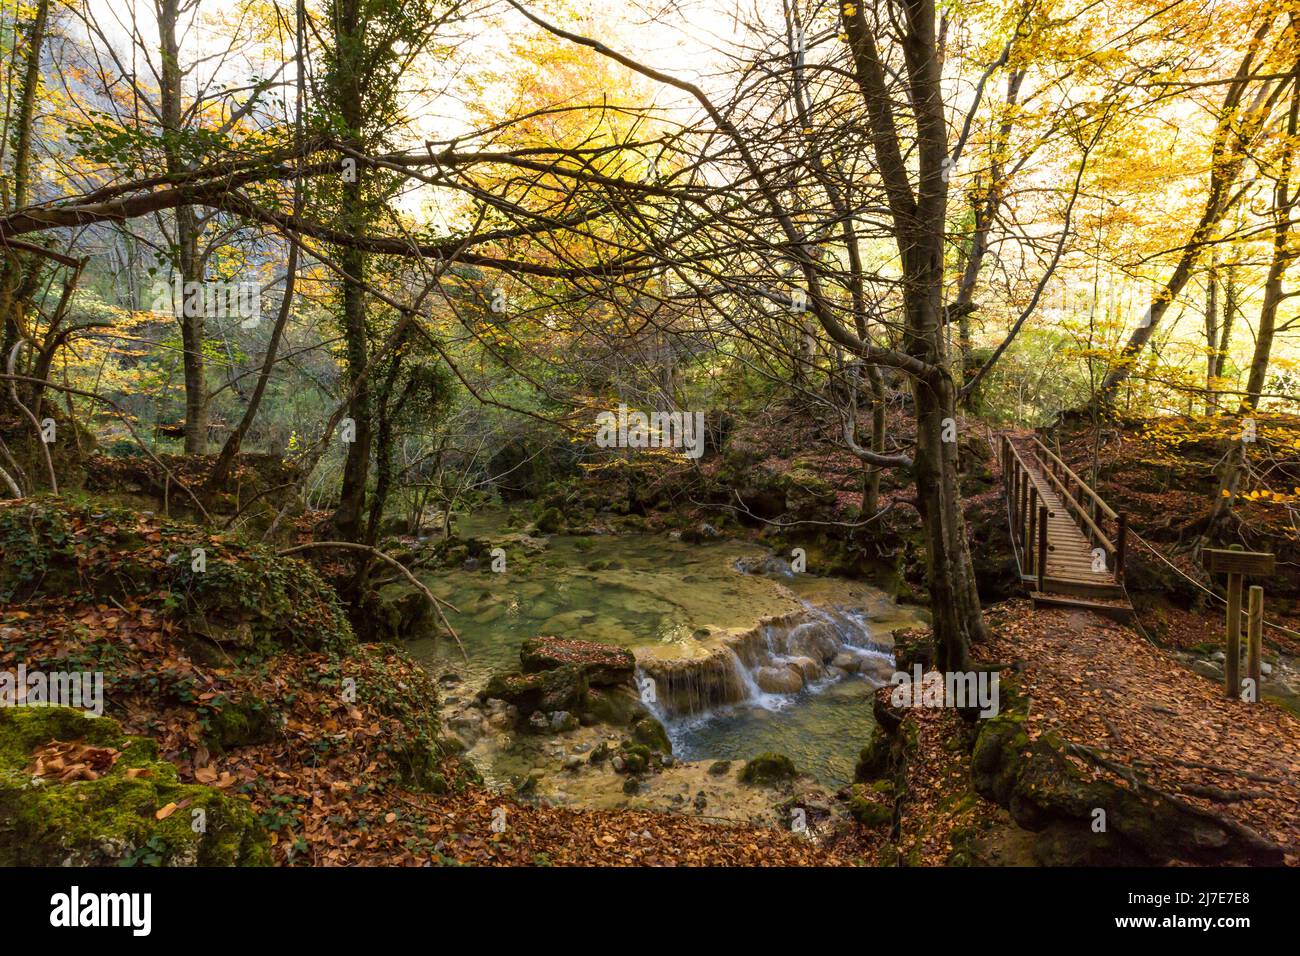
(1237, 563)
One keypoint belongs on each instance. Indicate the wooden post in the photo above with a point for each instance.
(1255, 637)
(1020, 506)
(1237, 563)
(1008, 483)
(1042, 547)
(1121, 536)
(1232, 661)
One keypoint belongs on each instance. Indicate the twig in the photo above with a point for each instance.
(1228, 771)
(207, 518)
(353, 546)
(13, 394)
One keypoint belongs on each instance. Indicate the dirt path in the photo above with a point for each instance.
(1100, 684)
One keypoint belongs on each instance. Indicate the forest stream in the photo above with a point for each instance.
(746, 657)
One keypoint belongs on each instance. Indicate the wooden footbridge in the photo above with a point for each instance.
(1069, 544)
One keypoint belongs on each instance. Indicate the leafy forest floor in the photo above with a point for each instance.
(1138, 717)
(333, 782)
(235, 676)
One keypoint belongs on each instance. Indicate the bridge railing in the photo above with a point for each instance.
(1104, 527)
(1026, 514)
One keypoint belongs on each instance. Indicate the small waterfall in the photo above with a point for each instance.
(768, 664)
(693, 686)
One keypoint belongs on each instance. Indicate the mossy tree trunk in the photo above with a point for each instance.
(185, 241)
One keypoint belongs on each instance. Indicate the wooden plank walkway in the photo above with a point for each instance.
(1069, 544)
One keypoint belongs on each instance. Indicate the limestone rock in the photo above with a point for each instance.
(603, 665)
(779, 679)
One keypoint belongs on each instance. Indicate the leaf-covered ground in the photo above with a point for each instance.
(338, 750)
(329, 786)
(1152, 722)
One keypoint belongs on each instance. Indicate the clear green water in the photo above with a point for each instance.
(820, 730)
(661, 597)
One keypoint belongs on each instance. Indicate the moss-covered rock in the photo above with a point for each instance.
(113, 819)
(550, 521)
(398, 612)
(650, 732)
(561, 688)
(912, 646)
(244, 598)
(419, 763)
(872, 806)
(767, 769)
(995, 758)
(873, 759)
(256, 483)
(1048, 792)
(635, 758)
(617, 706)
(240, 723)
(806, 492)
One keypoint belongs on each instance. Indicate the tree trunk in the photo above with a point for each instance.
(919, 230)
(871, 482)
(1211, 336)
(17, 268)
(1225, 326)
(386, 412)
(185, 256)
(984, 210)
(236, 438)
(352, 497)
(1284, 254)
(234, 442)
(954, 599)
(350, 514)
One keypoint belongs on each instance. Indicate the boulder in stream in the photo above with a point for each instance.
(651, 733)
(617, 706)
(765, 564)
(767, 769)
(779, 679)
(603, 665)
(585, 680)
(561, 688)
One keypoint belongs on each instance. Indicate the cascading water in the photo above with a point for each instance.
(767, 665)
(799, 684)
(746, 655)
